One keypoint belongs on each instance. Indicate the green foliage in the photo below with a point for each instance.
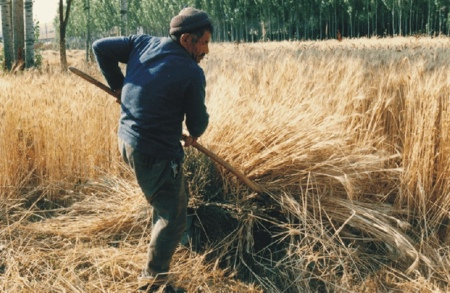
(37, 49)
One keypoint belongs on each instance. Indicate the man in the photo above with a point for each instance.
(163, 85)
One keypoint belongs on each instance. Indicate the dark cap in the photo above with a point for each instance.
(189, 19)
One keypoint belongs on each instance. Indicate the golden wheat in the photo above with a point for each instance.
(350, 139)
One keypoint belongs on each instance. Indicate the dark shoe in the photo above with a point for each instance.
(161, 288)
(151, 283)
(172, 289)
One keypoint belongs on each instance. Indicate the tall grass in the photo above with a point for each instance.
(350, 140)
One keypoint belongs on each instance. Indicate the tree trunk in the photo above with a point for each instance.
(7, 34)
(88, 29)
(19, 33)
(393, 21)
(123, 17)
(429, 18)
(401, 27)
(29, 28)
(63, 20)
(368, 18)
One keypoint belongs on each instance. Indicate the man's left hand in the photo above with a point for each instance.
(189, 140)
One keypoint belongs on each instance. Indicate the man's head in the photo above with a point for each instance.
(192, 28)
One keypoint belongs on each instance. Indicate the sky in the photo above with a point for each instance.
(45, 10)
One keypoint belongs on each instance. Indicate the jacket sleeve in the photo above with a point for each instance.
(109, 52)
(197, 117)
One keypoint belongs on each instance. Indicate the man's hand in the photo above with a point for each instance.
(188, 140)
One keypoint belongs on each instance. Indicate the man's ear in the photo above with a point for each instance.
(185, 39)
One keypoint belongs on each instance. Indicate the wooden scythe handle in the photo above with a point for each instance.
(255, 187)
(95, 82)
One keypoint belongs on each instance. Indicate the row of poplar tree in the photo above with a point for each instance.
(275, 20)
(234, 20)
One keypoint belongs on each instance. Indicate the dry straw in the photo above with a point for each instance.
(350, 139)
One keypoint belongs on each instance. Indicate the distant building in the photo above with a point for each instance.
(47, 33)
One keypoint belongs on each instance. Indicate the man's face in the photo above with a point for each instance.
(197, 46)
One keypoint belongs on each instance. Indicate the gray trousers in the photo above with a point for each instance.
(162, 183)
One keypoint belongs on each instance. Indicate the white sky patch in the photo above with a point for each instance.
(45, 10)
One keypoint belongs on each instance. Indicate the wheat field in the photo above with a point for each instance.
(350, 141)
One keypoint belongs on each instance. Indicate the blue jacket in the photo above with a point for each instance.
(162, 86)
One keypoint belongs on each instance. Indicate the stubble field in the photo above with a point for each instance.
(349, 139)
